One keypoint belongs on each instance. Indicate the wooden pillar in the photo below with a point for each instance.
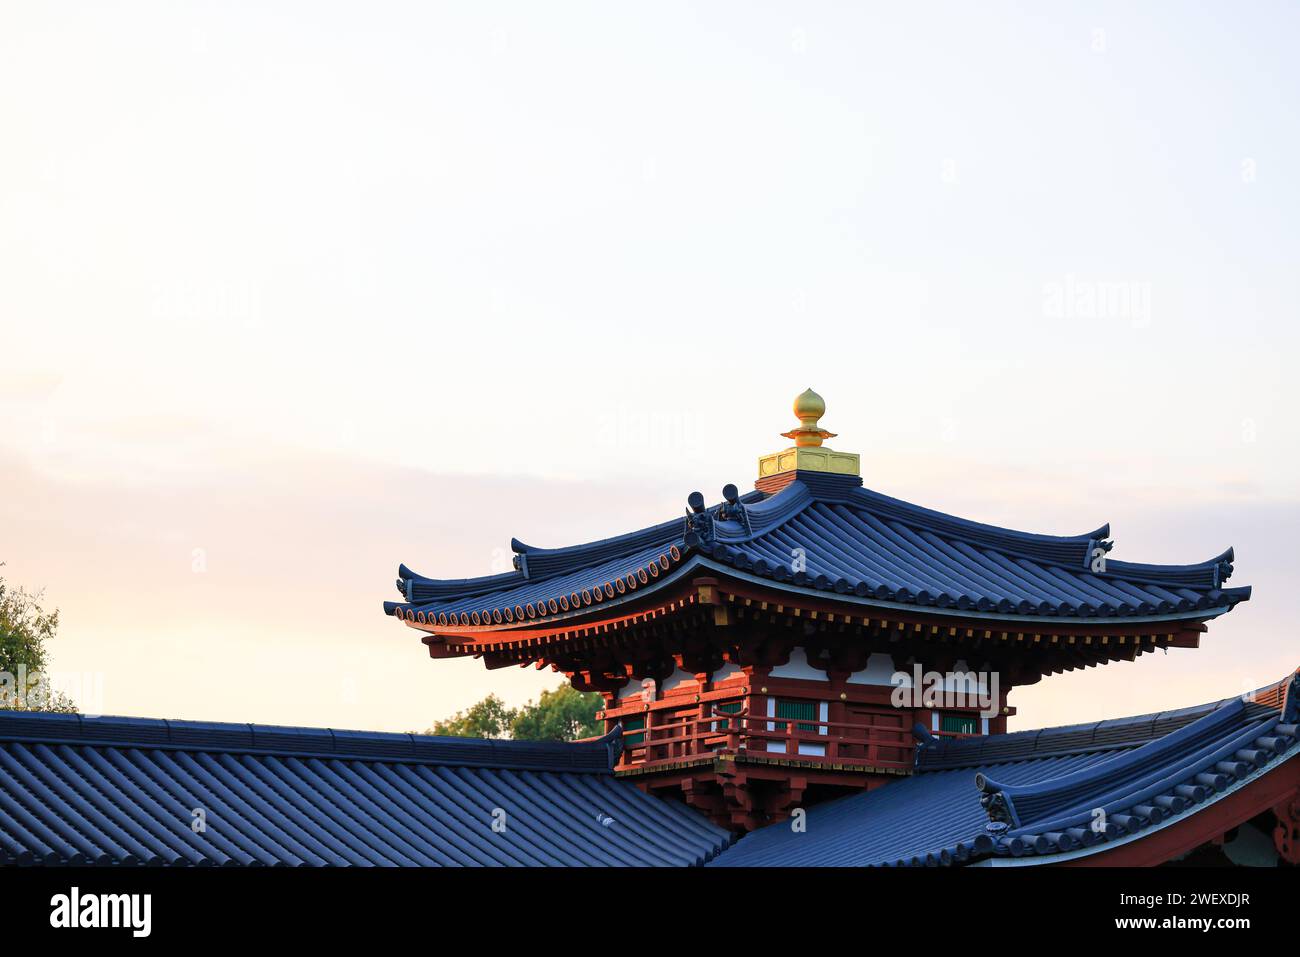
(704, 680)
(757, 705)
(836, 710)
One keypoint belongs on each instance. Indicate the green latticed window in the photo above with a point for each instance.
(633, 723)
(805, 710)
(959, 723)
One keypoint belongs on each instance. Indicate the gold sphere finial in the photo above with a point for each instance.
(808, 405)
(808, 408)
(779, 469)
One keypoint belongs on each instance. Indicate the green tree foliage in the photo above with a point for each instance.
(25, 627)
(489, 718)
(561, 714)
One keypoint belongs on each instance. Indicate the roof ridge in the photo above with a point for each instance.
(414, 586)
(596, 755)
(1064, 550)
(1100, 735)
(1219, 569)
(538, 564)
(767, 513)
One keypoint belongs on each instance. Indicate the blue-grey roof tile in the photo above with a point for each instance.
(1139, 771)
(126, 791)
(858, 543)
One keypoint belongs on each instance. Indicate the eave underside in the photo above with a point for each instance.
(710, 621)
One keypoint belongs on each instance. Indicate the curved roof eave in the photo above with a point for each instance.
(587, 611)
(892, 555)
(1062, 857)
(1198, 614)
(695, 560)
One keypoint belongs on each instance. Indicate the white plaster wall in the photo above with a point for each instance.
(879, 669)
(961, 684)
(798, 667)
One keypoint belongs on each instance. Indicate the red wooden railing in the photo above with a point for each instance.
(839, 742)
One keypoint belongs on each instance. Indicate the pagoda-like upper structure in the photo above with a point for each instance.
(776, 648)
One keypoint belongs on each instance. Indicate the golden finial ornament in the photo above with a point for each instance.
(808, 408)
(807, 454)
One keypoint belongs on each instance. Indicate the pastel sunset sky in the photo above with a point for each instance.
(293, 292)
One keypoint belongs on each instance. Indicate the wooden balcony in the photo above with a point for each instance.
(672, 738)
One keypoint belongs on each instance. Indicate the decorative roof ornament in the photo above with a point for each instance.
(1222, 572)
(1291, 703)
(809, 407)
(733, 509)
(699, 522)
(808, 454)
(995, 805)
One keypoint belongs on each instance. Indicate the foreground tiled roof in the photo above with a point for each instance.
(124, 791)
(855, 543)
(1043, 787)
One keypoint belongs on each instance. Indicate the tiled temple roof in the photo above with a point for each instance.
(1034, 795)
(861, 545)
(122, 791)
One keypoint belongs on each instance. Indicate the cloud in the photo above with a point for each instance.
(248, 587)
(251, 589)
